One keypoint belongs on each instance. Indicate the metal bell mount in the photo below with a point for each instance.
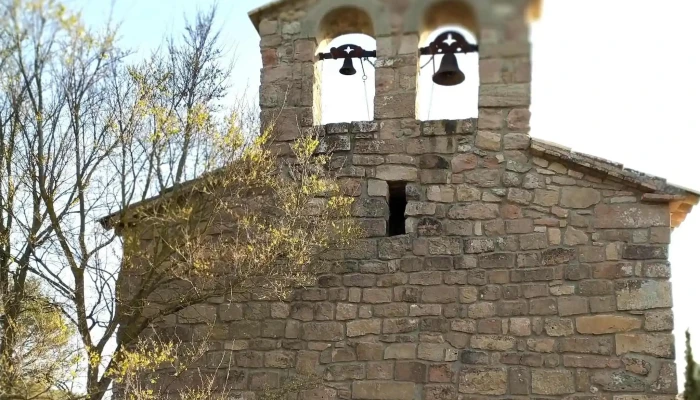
(347, 52)
(448, 44)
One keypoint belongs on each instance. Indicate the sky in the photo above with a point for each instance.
(617, 79)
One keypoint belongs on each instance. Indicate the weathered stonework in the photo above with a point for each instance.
(527, 270)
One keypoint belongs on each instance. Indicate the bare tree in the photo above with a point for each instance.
(86, 135)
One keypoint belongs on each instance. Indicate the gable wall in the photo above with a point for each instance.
(517, 278)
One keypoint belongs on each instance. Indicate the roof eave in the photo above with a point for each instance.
(255, 15)
(657, 190)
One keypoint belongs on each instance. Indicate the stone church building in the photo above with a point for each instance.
(494, 265)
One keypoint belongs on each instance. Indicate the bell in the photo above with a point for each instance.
(348, 68)
(449, 73)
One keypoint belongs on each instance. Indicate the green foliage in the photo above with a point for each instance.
(45, 357)
(203, 207)
(692, 373)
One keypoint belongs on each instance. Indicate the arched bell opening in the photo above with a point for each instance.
(448, 76)
(347, 84)
(344, 67)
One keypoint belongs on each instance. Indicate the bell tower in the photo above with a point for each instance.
(295, 34)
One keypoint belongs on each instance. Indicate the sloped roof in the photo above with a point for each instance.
(112, 220)
(657, 190)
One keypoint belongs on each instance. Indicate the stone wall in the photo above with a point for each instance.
(518, 277)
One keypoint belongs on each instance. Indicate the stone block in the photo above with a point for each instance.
(519, 380)
(614, 216)
(411, 371)
(557, 256)
(533, 241)
(540, 345)
(377, 188)
(552, 382)
(244, 329)
(383, 390)
(306, 362)
(493, 342)
(579, 197)
(489, 325)
(456, 277)
(400, 351)
(444, 245)
(359, 280)
(511, 308)
(546, 198)
(395, 106)
(644, 252)
(479, 245)
(586, 361)
(520, 327)
(364, 327)
(482, 309)
(468, 294)
(483, 380)
(433, 161)
(476, 211)
(370, 207)
(516, 141)
(378, 146)
(533, 274)
(396, 173)
(618, 381)
(422, 310)
(399, 325)
(488, 140)
(533, 290)
(519, 226)
(441, 193)
(416, 208)
(602, 345)
(559, 326)
(604, 324)
(279, 359)
(424, 145)
(268, 27)
(543, 306)
(658, 320)
(596, 288)
(250, 359)
(323, 331)
(439, 294)
(496, 260)
(502, 95)
(653, 344)
(572, 305)
(382, 370)
(425, 278)
(485, 178)
(369, 351)
(519, 119)
(395, 279)
(641, 294)
(464, 162)
(377, 295)
(432, 351)
(390, 310)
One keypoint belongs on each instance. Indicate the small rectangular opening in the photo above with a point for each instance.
(397, 208)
